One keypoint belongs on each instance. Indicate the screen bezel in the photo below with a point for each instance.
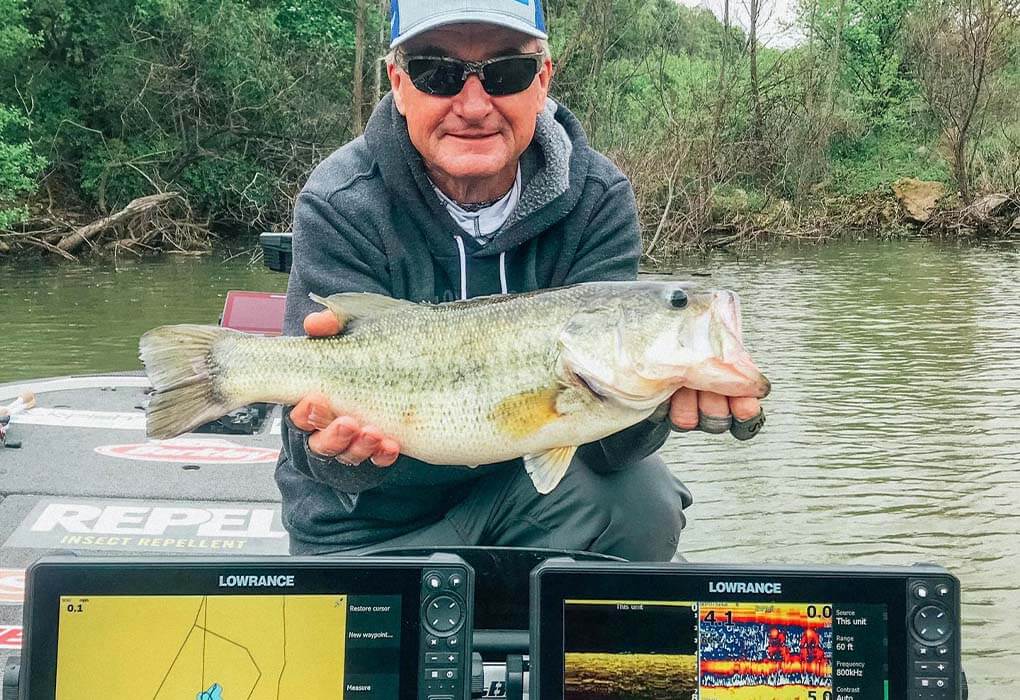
(554, 584)
(49, 581)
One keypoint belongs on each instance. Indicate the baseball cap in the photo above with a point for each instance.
(412, 17)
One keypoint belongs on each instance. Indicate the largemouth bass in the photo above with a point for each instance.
(530, 375)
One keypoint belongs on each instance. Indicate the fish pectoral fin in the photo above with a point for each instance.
(546, 469)
(350, 306)
(572, 399)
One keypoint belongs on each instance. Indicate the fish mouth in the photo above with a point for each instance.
(736, 378)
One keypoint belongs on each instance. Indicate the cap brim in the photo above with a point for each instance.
(467, 17)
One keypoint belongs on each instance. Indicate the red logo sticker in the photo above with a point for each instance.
(12, 586)
(10, 637)
(191, 451)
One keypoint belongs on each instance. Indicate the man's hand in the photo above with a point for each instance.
(334, 435)
(714, 413)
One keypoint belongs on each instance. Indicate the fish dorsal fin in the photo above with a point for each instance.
(353, 306)
(546, 469)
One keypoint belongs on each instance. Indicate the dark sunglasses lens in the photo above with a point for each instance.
(509, 75)
(436, 77)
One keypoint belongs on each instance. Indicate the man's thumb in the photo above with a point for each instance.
(319, 324)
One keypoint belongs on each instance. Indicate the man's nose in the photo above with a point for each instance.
(472, 102)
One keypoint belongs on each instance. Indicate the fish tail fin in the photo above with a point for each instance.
(179, 363)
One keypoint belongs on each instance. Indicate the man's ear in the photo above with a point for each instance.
(396, 83)
(545, 75)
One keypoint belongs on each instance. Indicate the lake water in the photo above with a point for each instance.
(893, 430)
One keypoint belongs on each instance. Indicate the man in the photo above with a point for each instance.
(469, 181)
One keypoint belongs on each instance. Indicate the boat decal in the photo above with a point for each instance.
(12, 586)
(10, 637)
(71, 418)
(11, 391)
(192, 450)
(128, 525)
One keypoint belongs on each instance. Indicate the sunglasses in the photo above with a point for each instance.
(445, 77)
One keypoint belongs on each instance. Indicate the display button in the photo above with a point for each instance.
(443, 613)
(433, 581)
(920, 591)
(931, 623)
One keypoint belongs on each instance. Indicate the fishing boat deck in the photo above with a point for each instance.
(85, 480)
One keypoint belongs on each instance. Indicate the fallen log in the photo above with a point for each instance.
(76, 238)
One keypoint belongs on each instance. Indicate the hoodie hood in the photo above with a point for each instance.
(553, 171)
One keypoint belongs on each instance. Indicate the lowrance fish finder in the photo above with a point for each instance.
(251, 629)
(698, 632)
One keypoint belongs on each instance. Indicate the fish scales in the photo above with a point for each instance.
(436, 390)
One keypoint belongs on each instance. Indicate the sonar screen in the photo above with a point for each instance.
(630, 649)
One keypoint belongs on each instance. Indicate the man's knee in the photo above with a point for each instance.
(645, 503)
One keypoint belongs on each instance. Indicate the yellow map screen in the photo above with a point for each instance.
(259, 647)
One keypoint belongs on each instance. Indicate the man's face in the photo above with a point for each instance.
(471, 135)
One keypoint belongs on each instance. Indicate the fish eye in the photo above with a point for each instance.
(678, 299)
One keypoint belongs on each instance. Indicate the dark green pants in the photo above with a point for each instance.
(635, 513)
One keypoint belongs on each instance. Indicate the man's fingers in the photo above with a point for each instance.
(320, 324)
(387, 453)
(714, 412)
(744, 408)
(362, 446)
(683, 409)
(335, 438)
(312, 413)
(712, 404)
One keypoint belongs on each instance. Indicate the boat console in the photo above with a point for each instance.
(485, 622)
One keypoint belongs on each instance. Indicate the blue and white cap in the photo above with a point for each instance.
(412, 17)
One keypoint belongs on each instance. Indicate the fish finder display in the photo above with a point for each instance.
(673, 650)
(228, 647)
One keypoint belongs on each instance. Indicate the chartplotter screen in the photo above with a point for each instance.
(224, 647)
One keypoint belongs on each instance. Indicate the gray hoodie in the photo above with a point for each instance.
(368, 220)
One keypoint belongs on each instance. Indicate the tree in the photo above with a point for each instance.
(960, 48)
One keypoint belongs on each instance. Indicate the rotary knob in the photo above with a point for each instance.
(931, 624)
(443, 614)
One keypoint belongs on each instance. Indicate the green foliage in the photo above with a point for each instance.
(315, 23)
(14, 36)
(230, 103)
(18, 167)
(877, 160)
(869, 36)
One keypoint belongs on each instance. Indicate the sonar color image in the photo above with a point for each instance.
(617, 650)
(765, 651)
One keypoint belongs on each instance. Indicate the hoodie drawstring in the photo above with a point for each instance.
(463, 270)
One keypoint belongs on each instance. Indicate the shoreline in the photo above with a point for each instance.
(153, 225)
